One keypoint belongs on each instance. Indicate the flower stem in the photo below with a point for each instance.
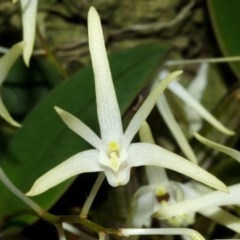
(88, 203)
(60, 231)
(203, 60)
(11, 187)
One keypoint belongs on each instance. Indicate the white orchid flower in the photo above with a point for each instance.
(187, 98)
(6, 63)
(161, 197)
(113, 153)
(192, 103)
(150, 198)
(207, 204)
(159, 192)
(161, 201)
(29, 16)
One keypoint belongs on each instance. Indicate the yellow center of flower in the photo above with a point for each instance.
(113, 147)
(113, 151)
(162, 195)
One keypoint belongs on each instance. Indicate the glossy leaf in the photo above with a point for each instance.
(25, 87)
(225, 18)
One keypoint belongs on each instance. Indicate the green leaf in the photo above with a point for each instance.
(24, 87)
(44, 141)
(225, 18)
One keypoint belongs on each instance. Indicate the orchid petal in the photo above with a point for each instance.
(199, 83)
(6, 62)
(194, 235)
(212, 199)
(196, 88)
(152, 155)
(222, 217)
(219, 147)
(5, 115)
(142, 207)
(176, 131)
(82, 162)
(214, 213)
(80, 128)
(109, 115)
(183, 94)
(29, 13)
(154, 175)
(147, 106)
(145, 133)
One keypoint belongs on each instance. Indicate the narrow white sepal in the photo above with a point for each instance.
(29, 15)
(147, 106)
(154, 175)
(161, 231)
(222, 217)
(196, 88)
(5, 115)
(216, 214)
(109, 115)
(6, 63)
(141, 154)
(145, 133)
(212, 199)
(183, 94)
(219, 147)
(82, 162)
(175, 129)
(80, 128)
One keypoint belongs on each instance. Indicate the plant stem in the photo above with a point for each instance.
(12, 188)
(88, 203)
